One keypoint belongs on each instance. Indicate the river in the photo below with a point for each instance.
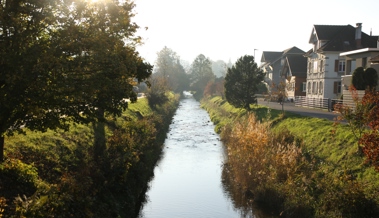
(187, 179)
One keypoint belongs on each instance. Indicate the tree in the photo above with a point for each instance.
(219, 68)
(201, 73)
(215, 87)
(168, 66)
(280, 92)
(363, 121)
(241, 82)
(66, 61)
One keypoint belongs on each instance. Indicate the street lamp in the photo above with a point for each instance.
(254, 52)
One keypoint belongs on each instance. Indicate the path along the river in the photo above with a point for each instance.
(310, 112)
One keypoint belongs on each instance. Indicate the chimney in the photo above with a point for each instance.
(358, 35)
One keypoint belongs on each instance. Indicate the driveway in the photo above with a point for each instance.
(290, 107)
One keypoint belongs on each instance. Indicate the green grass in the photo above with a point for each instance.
(331, 148)
(59, 176)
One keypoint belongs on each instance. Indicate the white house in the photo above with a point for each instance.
(325, 65)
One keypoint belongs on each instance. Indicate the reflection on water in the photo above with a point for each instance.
(187, 181)
(242, 200)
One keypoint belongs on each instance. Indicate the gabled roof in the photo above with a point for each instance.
(293, 50)
(325, 32)
(340, 38)
(297, 63)
(273, 56)
(270, 56)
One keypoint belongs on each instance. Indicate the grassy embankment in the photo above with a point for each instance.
(296, 166)
(54, 174)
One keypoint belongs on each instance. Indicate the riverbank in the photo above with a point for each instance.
(296, 166)
(54, 174)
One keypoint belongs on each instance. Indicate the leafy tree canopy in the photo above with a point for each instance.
(219, 68)
(201, 73)
(242, 81)
(168, 66)
(64, 60)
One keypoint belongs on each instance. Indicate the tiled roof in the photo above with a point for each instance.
(327, 32)
(342, 38)
(270, 56)
(273, 56)
(298, 64)
(293, 50)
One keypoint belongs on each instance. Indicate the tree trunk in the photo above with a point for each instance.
(99, 131)
(1, 149)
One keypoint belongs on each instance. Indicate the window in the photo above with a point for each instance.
(321, 65)
(339, 66)
(309, 67)
(315, 67)
(304, 89)
(320, 88)
(337, 88)
(309, 87)
(314, 88)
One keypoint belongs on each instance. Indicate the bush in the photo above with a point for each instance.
(364, 78)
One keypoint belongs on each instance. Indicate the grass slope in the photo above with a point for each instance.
(329, 178)
(54, 174)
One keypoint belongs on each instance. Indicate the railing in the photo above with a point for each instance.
(318, 103)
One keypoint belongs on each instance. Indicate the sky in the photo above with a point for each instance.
(229, 29)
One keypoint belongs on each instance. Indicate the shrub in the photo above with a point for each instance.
(364, 78)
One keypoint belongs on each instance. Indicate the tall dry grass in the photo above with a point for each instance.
(274, 168)
(258, 160)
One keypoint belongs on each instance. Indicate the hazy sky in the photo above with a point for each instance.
(228, 29)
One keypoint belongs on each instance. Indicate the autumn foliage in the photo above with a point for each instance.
(215, 87)
(291, 172)
(363, 119)
(370, 139)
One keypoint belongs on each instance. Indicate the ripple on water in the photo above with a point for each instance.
(187, 182)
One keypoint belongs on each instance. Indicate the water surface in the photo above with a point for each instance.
(187, 181)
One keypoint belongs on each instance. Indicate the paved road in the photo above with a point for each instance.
(288, 106)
